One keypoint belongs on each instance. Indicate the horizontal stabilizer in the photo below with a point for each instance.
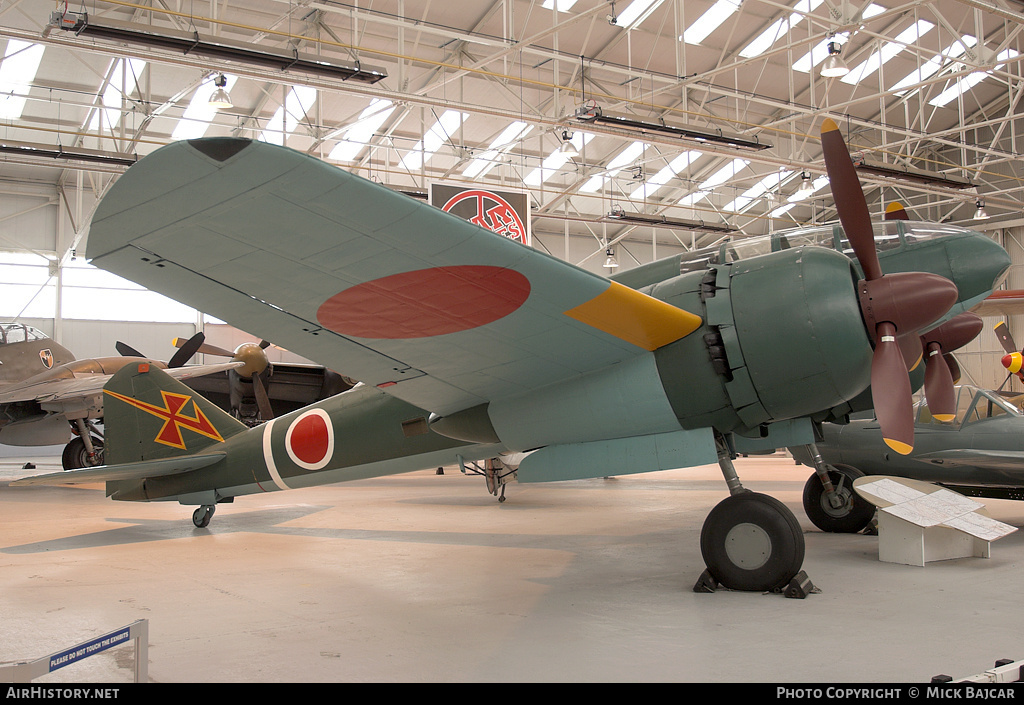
(126, 471)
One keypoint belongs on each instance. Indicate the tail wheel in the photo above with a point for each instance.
(751, 541)
(853, 514)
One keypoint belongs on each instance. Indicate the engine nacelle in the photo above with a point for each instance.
(783, 333)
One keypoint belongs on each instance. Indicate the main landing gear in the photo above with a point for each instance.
(751, 541)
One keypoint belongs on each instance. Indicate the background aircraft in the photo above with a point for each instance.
(47, 397)
(979, 454)
(277, 389)
(473, 347)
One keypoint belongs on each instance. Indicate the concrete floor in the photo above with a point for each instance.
(427, 578)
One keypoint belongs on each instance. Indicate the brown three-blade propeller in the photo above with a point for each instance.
(938, 377)
(893, 305)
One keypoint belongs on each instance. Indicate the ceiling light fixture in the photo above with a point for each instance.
(567, 148)
(981, 213)
(610, 262)
(834, 66)
(806, 186)
(220, 97)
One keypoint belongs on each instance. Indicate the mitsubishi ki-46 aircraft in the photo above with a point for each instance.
(471, 348)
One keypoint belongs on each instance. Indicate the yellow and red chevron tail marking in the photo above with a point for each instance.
(174, 417)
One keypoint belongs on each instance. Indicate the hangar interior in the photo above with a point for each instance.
(639, 128)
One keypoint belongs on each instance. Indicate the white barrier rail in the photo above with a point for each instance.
(27, 671)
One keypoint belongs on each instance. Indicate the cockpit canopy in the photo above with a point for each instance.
(889, 235)
(19, 333)
(973, 404)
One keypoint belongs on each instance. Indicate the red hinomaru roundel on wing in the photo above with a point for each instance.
(425, 302)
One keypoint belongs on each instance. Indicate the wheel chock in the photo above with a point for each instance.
(799, 587)
(706, 583)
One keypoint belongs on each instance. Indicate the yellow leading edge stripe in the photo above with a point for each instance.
(636, 318)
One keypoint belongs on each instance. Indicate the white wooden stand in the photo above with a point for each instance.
(920, 522)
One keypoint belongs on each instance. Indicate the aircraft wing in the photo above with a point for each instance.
(396, 293)
(82, 386)
(1008, 302)
(126, 471)
(991, 459)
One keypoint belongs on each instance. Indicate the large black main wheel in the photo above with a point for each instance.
(751, 541)
(75, 456)
(854, 512)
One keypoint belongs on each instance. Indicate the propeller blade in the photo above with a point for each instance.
(126, 350)
(849, 199)
(896, 211)
(186, 351)
(205, 348)
(954, 367)
(891, 393)
(262, 399)
(938, 385)
(1003, 333)
(912, 349)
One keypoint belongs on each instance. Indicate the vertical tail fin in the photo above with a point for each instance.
(148, 415)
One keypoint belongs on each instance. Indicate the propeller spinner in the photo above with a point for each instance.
(1013, 360)
(893, 304)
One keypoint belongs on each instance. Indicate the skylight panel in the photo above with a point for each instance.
(691, 198)
(931, 67)
(724, 174)
(298, 102)
(782, 210)
(555, 160)
(890, 49)
(626, 156)
(662, 177)
(442, 131)
(969, 81)
(779, 28)
(124, 79)
(710, 21)
(487, 161)
(196, 119)
(559, 5)
(357, 135)
(757, 190)
(637, 12)
(18, 70)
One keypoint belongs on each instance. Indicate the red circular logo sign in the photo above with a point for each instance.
(492, 212)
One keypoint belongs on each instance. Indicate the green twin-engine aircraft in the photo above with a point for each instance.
(472, 348)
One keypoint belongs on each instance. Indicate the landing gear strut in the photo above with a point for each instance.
(830, 500)
(750, 541)
(496, 474)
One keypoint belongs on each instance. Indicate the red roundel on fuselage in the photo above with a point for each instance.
(309, 440)
(426, 302)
